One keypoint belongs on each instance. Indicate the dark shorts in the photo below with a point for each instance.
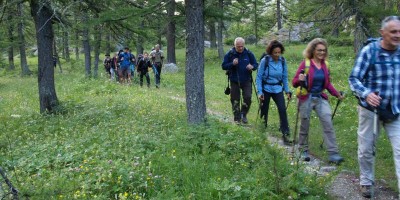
(124, 71)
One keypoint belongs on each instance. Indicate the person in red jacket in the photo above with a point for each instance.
(313, 80)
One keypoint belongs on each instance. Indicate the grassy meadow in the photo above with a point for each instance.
(115, 141)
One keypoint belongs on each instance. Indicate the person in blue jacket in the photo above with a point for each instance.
(272, 81)
(240, 62)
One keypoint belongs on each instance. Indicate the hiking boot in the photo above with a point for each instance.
(244, 119)
(366, 191)
(305, 156)
(336, 158)
(286, 139)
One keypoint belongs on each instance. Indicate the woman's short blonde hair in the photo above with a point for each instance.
(309, 51)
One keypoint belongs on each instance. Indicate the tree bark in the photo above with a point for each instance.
(10, 29)
(44, 35)
(359, 33)
(220, 43)
(66, 45)
(213, 39)
(255, 21)
(278, 14)
(86, 47)
(22, 51)
(171, 57)
(97, 38)
(56, 56)
(77, 42)
(194, 73)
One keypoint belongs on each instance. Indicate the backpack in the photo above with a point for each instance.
(266, 64)
(304, 90)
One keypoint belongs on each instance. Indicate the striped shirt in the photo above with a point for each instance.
(380, 73)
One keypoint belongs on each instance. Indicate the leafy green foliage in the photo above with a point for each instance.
(127, 142)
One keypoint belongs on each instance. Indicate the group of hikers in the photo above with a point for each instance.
(374, 80)
(121, 66)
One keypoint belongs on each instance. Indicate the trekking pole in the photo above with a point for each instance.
(333, 116)
(375, 134)
(297, 118)
(254, 86)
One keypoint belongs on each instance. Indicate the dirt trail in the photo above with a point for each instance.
(346, 183)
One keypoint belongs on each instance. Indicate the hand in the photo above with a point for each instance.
(302, 77)
(341, 95)
(373, 99)
(289, 95)
(249, 67)
(261, 97)
(235, 61)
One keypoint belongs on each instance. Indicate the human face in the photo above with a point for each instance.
(239, 46)
(145, 55)
(276, 52)
(320, 52)
(391, 35)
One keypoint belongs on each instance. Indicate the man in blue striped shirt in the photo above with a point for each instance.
(375, 79)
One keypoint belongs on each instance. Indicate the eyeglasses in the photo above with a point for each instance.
(321, 50)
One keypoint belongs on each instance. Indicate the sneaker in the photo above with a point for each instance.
(366, 191)
(305, 156)
(336, 158)
(286, 139)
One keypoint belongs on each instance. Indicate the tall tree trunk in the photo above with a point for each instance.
(194, 73)
(86, 47)
(97, 38)
(66, 45)
(42, 14)
(171, 57)
(22, 51)
(255, 21)
(139, 43)
(213, 39)
(56, 56)
(10, 29)
(77, 42)
(220, 43)
(359, 33)
(278, 14)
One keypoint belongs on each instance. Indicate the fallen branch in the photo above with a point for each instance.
(14, 191)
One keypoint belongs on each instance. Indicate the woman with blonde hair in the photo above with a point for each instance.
(311, 79)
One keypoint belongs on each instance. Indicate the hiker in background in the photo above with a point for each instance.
(157, 57)
(114, 66)
(240, 62)
(272, 81)
(107, 64)
(312, 77)
(375, 80)
(132, 66)
(143, 68)
(124, 70)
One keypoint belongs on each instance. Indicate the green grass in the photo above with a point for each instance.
(127, 142)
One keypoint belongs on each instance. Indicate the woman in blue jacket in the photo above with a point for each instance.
(272, 81)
